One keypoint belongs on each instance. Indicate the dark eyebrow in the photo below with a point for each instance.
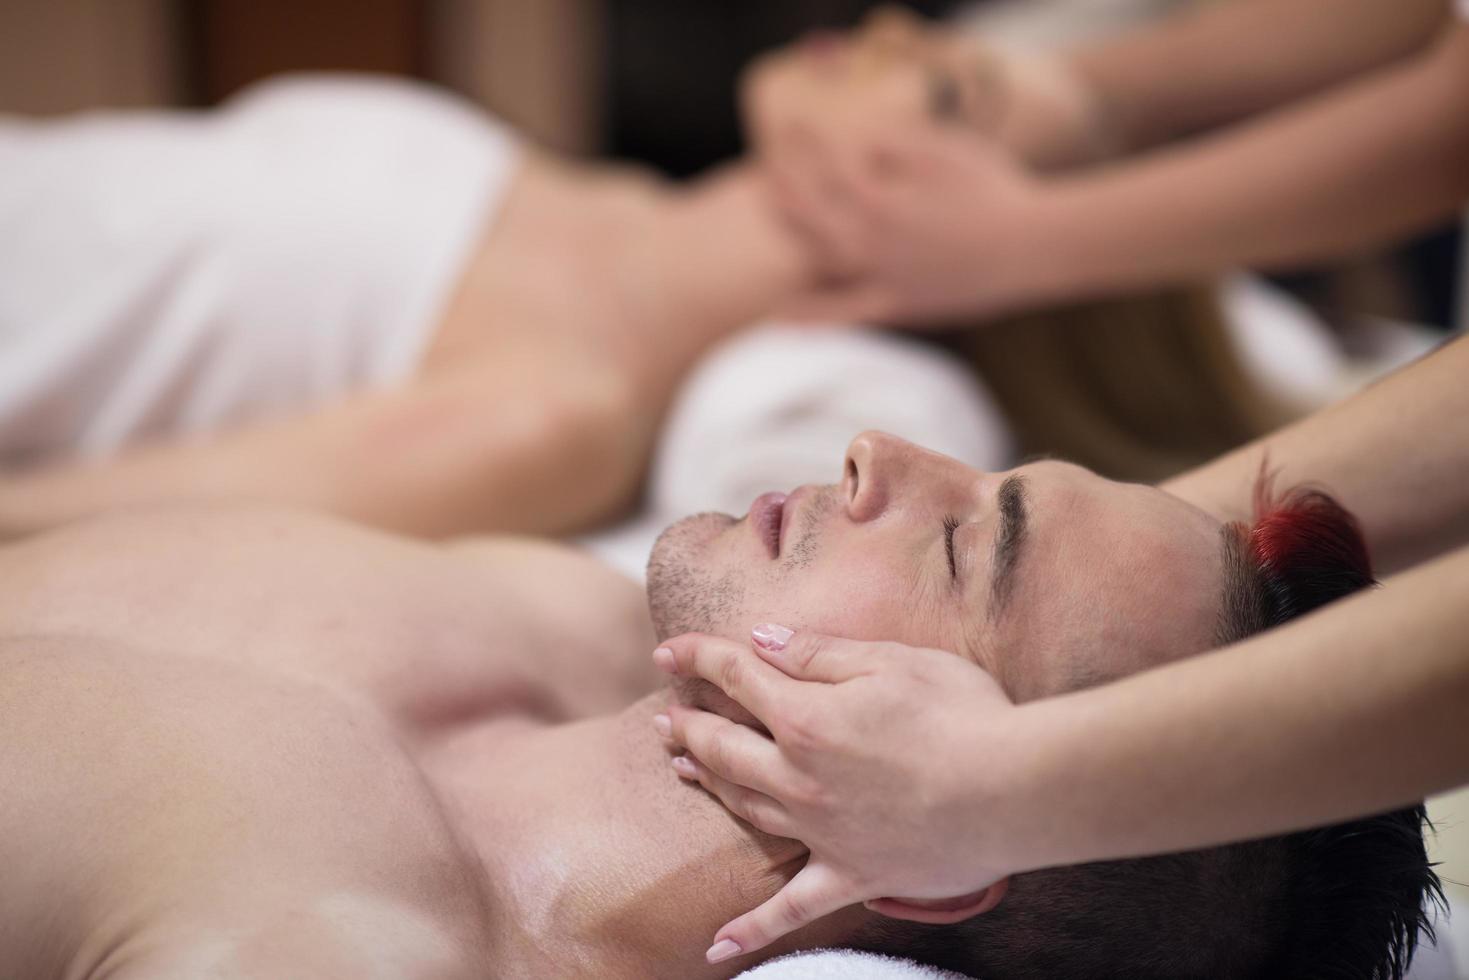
(1010, 536)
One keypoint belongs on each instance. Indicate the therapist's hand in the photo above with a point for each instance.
(917, 224)
(892, 764)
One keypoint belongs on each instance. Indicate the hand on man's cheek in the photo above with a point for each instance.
(695, 692)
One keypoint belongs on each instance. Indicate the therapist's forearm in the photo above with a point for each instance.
(1223, 62)
(1365, 164)
(1395, 454)
(1360, 708)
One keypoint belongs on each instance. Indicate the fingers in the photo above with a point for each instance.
(945, 911)
(731, 751)
(989, 70)
(858, 302)
(754, 808)
(816, 196)
(908, 156)
(732, 667)
(814, 892)
(811, 656)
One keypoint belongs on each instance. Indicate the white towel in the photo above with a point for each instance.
(168, 273)
(843, 964)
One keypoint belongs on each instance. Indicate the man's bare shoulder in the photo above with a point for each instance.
(581, 588)
(424, 630)
(163, 801)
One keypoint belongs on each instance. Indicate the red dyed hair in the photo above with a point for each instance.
(1307, 549)
(1302, 550)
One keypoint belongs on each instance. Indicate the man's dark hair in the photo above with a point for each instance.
(1346, 901)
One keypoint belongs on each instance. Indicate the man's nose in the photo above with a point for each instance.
(869, 479)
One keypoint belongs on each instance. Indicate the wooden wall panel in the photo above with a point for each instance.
(63, 55)
(236, 42)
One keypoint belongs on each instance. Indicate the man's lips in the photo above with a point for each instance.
(766, 515)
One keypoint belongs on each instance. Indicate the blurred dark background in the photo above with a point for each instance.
(648, 80)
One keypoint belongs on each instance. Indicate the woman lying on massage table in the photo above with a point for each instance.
(355, 295)
(1356, 710)
(363, 297)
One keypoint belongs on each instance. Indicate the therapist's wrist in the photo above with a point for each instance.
(1084, 237)
(1034, 790)
(989, 783)
(1041, 251)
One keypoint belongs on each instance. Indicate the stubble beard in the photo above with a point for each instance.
(685, 595)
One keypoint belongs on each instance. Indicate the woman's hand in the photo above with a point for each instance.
(1033, 103)
(916, 224)
(892, 764)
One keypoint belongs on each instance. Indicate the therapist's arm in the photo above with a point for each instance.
(1366, 163)
(1358, 708)
(930, 225)
(1396, 454)
(1220, 63)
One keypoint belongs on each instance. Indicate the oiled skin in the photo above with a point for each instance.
(217, 728)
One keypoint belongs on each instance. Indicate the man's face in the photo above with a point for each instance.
(1058, 579)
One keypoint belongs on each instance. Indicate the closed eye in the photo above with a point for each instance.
(951, 524)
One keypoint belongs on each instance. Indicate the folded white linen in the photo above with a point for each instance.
(843, 964)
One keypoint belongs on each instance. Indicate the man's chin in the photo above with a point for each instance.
(686, 591)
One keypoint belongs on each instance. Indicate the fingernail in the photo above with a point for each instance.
(663, 725)
(772, 636)
(684, 767)
(663, 660)
(722, 951)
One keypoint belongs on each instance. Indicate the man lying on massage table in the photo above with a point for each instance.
(247, 743)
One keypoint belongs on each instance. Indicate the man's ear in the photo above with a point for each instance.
(942, 911)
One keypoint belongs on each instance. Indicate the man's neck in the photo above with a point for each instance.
(599, 860)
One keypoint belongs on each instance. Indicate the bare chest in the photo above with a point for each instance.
(193, 819)
(427, 636)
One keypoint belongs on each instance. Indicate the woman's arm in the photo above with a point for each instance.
(525, 442)
(1396, 454)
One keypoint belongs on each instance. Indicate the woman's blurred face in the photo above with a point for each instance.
(891, 67)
